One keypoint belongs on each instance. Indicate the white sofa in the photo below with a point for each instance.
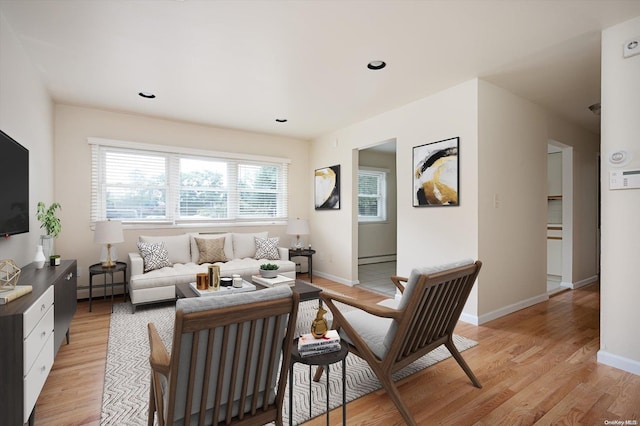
(184, 256)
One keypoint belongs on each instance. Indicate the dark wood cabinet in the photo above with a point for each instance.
(32, 329)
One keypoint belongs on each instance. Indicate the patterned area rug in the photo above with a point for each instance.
(125, 397)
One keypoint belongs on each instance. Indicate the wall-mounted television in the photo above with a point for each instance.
(14, 187)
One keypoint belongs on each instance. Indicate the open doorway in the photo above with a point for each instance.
(559, 217)
(376, 219)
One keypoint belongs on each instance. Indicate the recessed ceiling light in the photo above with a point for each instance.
(147, 95)
(281, 120)
(376, 65)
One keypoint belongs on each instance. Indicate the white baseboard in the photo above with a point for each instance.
(506, 310)
(617, 361)
(335, 278)
(583, 282)
(470, 319)
(377, 259)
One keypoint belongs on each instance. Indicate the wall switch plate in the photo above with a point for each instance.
(631, 47)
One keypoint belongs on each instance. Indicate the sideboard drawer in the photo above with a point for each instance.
(34, 381)
(37, 338)
(34, 314)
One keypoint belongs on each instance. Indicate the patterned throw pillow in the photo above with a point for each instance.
(155, 256)
(211, 250)
(267, 248)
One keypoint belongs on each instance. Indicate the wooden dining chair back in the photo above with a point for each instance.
(229, 359)
(392, 334)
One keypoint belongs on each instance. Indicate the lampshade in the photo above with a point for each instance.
(298, 227)
(108, 232)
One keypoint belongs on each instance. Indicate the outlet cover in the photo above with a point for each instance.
(631, 47)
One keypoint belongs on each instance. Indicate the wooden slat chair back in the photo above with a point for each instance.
(229, 360)
(391, 335)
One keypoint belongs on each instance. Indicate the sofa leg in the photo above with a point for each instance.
(133, 308)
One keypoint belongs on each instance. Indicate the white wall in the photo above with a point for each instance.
(512, 199)
(620, 280)
(426, 235)
(74, 125)
(503, 153)
(26, 114)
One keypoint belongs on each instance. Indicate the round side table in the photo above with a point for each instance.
(98, 269)
(324, 360)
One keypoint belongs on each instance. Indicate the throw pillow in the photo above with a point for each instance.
(154, 255)
(211, 250)
(267, 248)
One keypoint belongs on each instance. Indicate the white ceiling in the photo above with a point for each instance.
(242, 64)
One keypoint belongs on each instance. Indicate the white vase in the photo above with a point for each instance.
(39, 259)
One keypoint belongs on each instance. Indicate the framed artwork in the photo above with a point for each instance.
(436, 174)
(327, 187)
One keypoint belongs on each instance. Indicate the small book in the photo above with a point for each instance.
(307, 341)
(319, 350)
(18, 291)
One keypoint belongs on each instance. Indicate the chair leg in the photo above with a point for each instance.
(462, 363)
(318, 373)
(394, 394)
(152, 403)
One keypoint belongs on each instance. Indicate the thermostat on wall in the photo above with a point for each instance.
(624, 179)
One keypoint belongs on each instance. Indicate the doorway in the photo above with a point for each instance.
(559, 217)
(376, 218)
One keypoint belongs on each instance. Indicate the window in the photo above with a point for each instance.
(372, 195)
(139, 183)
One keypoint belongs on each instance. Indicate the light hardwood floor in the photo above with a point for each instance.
(537, 366)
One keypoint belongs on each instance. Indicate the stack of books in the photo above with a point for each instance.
(272, 282)
(310, 346)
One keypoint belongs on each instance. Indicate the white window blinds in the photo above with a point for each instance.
(147, 186)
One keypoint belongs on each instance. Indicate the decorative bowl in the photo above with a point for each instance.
(269, 273)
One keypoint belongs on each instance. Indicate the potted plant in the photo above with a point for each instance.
(50, 223)
(269, 270)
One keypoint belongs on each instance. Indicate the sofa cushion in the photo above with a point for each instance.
(154, 255)
(267, 248)
(195, 253)
(211, 250)
(244, 244)
(177, 246)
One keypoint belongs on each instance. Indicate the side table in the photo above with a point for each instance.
(308, 253)
(98, 269)
(324, 360)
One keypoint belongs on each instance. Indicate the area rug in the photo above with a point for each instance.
(125, 397)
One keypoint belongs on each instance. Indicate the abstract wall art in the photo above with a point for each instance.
(436, 174)
(327, 186)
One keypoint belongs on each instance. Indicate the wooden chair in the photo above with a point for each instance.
(392, 334)
(229, 359)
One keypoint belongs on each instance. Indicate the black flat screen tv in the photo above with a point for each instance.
(14, 187)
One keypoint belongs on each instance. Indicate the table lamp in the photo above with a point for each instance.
(108, 232)
(298, 227)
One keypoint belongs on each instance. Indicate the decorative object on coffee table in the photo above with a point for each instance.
(269, 270)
